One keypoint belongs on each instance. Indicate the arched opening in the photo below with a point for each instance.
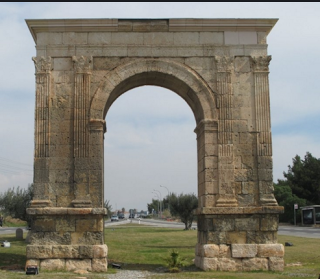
(149, 142)
(168, 74)
(189, 86)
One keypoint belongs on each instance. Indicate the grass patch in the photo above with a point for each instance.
(146, 248)
(13, 222)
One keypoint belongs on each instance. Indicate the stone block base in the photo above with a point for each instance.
(94, 265)
(240, 257)
(68, 257)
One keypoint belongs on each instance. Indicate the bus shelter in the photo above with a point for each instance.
(310, 215)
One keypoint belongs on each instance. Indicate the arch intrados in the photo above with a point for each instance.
(171, 75)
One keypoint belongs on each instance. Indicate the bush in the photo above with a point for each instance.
(174, 262)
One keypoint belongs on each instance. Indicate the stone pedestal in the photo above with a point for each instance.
(67, 239)
(239, 239)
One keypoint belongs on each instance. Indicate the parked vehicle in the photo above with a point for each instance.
(114, 218)
(121, 216)
(131, 216)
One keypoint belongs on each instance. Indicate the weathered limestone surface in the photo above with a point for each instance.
(220, 67)
(53, 264)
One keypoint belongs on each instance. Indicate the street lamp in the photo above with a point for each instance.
(168, 196)
(160, 201)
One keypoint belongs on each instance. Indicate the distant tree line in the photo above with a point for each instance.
(301, 186)
(15, 201)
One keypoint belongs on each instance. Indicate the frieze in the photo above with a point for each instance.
(224, 63)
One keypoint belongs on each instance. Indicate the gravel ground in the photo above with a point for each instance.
(129, 274)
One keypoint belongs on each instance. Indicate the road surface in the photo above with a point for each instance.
(308, 232)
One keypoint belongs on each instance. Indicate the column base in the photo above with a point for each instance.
(40, 203)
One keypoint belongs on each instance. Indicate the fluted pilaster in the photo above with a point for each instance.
(263, 128)
(225, 98)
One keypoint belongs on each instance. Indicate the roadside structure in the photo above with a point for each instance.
(220, 67)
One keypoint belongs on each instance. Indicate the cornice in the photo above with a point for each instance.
(173, 25)
(70, 25)
(223, 24)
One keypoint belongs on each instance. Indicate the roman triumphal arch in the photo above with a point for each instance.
(219, 67)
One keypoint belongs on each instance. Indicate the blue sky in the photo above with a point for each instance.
(150, 139)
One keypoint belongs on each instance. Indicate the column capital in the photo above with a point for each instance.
(43, 65)
(82, 64)
(261, 63)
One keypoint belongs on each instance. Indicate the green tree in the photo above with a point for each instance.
(108, 206)
(303, 177)
(15, 201)
(285, 197)
(153, 205)
(183, 206)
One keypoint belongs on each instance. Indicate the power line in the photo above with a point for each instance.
(8, 166)
(15, 162)
(13, 167)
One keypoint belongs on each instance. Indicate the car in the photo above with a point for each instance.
(121, 216)
(114, 218)
(131, 216)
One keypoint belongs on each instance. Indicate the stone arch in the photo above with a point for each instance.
(168, 74)
(237, 211)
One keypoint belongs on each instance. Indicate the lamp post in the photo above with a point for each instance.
(160, 201)
(168, 196)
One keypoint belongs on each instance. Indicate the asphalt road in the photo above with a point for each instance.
(10, 230)
(308, 232)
